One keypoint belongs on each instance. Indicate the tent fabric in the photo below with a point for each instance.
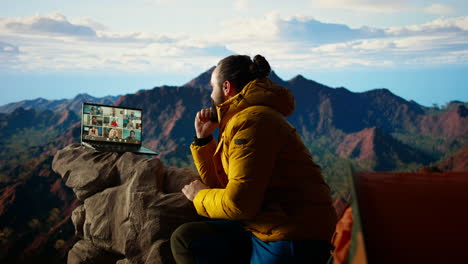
(413, 217)
(404, 218)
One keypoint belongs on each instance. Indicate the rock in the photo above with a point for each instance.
(86, 171)
(132, 204)
(83, 252)
(78, 218)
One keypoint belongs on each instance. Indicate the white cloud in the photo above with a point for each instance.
(295, 43)
(380, 6)
(53, 43)
(316, 32)
(272, 27)
(439, 9)
(304, 43)
(421, 50)
(438, 26)
(58, 26)
(375, 45)
(265, 28)
(7, 48)
(87, 22)
(55, 24)
(241, 4)
(386, 6)
(159, 1)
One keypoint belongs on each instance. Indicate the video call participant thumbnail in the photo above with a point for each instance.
(132, 135)
(114, 123)
(132, 116)
(96, 110)
(93, 131)
(95, 121)
(114, 133)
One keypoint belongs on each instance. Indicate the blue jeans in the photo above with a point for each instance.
(225, 241)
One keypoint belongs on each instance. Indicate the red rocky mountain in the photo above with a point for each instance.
(457, 162)
(375, 150)
(450, 124)
(202, 80)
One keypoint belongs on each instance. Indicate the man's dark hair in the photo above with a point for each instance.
(240, 69)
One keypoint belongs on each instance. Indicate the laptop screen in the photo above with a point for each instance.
(111, 124)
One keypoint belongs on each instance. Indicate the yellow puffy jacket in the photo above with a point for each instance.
(260, 172)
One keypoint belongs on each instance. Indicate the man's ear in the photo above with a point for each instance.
(229, 90)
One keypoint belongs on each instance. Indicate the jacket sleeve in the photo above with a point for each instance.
(203, 159)
(252, 153)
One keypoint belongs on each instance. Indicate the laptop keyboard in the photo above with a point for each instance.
(114, 148)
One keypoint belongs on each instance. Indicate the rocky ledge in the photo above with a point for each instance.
(131, 205)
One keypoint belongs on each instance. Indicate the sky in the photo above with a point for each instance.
(59, 48)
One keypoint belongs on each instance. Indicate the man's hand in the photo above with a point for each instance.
(203, 126)
(191, 190)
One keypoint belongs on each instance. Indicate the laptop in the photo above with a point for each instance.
(113, 129)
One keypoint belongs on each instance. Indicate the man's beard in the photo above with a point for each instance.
(213, 112)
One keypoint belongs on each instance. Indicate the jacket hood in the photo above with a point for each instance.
(257, 92)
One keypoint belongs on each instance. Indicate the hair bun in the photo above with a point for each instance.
(261, 67)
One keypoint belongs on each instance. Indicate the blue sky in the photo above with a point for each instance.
(59, 48)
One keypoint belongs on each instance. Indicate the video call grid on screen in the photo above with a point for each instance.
(111, 124)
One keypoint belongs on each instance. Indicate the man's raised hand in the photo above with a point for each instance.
(203, 126)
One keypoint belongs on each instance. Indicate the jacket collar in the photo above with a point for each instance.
(257, 92)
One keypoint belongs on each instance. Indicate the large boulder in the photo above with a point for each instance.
(132, 204)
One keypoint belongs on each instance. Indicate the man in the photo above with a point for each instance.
(132, 116)
(132, 135)
(95, 121)
(269, 198)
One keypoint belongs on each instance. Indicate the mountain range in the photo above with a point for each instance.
(73, 104)
(374, 130)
